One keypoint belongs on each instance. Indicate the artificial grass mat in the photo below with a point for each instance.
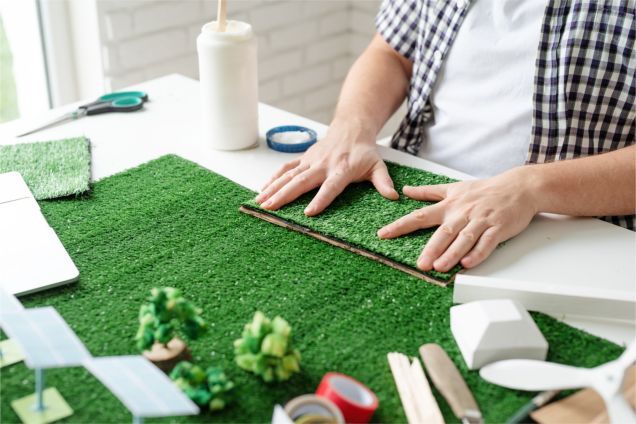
(173, 223)
(360, 211)
(50, 168)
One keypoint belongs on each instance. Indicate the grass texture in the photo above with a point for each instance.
(360, 211)
(173, 223)
(50, 168)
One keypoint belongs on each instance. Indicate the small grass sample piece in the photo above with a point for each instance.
(50, 168)
(265, 348)
(207, 388)
(167, 314)
(360, 211)
(183, 230)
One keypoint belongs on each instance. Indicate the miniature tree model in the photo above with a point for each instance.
(265, 348)
(209, 388)
(166, 316)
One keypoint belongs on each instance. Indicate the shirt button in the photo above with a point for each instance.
(437, 56)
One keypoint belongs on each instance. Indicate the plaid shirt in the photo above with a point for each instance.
(584, 84)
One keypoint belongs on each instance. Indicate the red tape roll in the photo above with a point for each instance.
(356, 402)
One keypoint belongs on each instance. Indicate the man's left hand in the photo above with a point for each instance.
(473, 218)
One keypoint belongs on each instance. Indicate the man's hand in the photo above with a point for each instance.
(330, 164)
(474, 217)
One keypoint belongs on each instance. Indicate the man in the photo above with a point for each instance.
(507, 90)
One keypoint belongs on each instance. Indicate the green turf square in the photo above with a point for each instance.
(50, 168)
(360, 211)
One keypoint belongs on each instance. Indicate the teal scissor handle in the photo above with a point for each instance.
(118, 101)
(115, 96)
(121, 94)
(123, 104)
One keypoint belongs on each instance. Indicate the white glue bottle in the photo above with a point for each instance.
(229, 85)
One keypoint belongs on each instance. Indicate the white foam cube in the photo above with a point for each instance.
(492, 330)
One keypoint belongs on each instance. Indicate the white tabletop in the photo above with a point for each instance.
(169, 123)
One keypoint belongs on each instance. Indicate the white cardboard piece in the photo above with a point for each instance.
(32, 258)
(561, 266)
(492, 330)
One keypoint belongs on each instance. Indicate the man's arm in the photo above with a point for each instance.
(592, 186)
(375, 87)
(475, 216)
(373, 90)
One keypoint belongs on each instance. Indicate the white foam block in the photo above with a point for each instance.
(492, 330)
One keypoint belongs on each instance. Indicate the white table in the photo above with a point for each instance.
(169, 123)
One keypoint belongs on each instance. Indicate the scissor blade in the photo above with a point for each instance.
(66, 117)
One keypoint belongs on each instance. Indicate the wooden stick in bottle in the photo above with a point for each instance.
(222, 15)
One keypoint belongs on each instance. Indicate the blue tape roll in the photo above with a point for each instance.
(291, 147)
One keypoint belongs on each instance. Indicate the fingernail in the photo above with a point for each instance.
(440, 264)
(260, 198)
(309, 210)
(421, 263)
(383, 232)
(267, 204)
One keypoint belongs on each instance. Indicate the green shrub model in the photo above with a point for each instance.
(207, 388)
(265, 348)
(165, 317)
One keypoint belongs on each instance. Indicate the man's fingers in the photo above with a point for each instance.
(383, 183)
(422, 218)
(329, 190)
(466, 239)
(484, 247)
(426, 193)
(279, 183)
(439, 241)
(286, 167)
(299, 185)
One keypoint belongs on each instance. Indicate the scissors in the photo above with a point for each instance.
(119, 101)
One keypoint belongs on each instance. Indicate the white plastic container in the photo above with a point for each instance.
(229, 86)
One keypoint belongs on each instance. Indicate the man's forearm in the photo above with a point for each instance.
(373, 90)
(596, 185)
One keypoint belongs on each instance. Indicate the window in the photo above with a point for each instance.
(23, 78)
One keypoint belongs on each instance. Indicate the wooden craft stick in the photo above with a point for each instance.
(428, 408)
(221, 15)
(415, 393)
(400, 377)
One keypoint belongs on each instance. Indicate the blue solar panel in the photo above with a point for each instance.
(45, 338)
(142, 387)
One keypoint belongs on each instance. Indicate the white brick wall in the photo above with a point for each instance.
(305, 46)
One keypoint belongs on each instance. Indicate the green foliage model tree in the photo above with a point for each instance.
(265, 348)
(167, 315)
(207, 388)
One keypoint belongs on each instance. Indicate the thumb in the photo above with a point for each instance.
(382, 182)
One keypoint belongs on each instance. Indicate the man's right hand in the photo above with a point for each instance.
(342, 157)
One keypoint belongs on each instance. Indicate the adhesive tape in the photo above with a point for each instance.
(356, 402)
(312, 409)
(291, 146)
